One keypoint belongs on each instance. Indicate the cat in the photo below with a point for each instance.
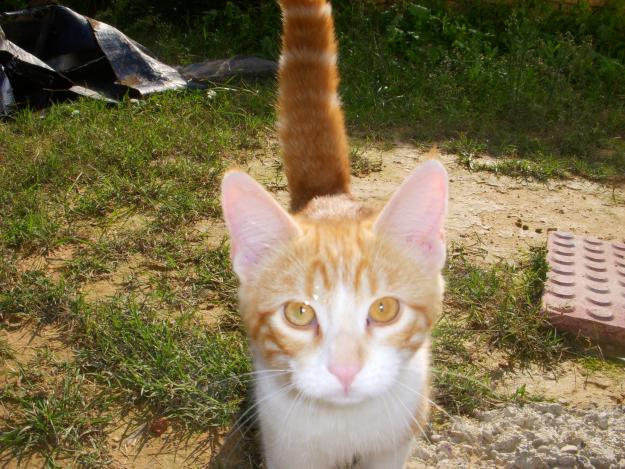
(338, 301)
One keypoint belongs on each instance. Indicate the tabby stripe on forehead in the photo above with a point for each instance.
(311, 275)
(373, 280)
(359, 273)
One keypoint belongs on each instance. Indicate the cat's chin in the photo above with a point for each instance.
(342, 400)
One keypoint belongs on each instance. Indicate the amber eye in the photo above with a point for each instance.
(299, 314)
(384, 310)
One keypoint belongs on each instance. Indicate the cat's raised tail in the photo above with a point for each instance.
(310, 120)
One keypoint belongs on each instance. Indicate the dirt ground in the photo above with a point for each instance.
(492, 217)
(496, 216)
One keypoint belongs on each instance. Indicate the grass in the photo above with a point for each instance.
(504, 302)
(149, 348)
(535, 86)
(162, 157)
(363, 165)
(169, 364)
(53, 410)
(495, 308)
(121, 196)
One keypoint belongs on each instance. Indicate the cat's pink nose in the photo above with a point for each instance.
(345, 373)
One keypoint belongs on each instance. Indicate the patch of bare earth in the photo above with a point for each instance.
(132, 446)
(25, 341)
(568, 384)
(497, 216)
(52, 261)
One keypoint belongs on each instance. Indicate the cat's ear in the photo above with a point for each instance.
(415, 215)
(257, 224)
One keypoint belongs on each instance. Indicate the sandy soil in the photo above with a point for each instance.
(496, 216)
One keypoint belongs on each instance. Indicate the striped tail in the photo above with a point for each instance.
(310, 119)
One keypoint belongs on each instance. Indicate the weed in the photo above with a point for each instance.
(60, 419)
(37, 297)
(174, 367)
(363, 165)
(502, 304)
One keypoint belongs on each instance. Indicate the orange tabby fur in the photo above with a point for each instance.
(311, 127)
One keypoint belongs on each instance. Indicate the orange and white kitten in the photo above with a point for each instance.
(338, 301)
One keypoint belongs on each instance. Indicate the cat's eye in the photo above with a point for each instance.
(384, 310)
(299, 314)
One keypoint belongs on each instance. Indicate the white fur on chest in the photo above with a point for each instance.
(299, 433)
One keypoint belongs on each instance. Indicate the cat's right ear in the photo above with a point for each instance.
(257, 224)
(415, 215)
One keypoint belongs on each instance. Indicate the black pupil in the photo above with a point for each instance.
(380, 306)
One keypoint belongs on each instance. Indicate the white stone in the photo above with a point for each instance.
(569, 449)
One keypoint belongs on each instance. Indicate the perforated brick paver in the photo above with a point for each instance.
(585, 287)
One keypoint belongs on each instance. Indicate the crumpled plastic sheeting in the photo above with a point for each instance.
(131, 63)
(7, 100)
(53, 53)
(220, 70)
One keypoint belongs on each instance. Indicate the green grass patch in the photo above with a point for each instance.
(163, 157)
(502, 304)
(613, 366)
(498, 308)
(171, 366)
(34, 296)
(537, 86)
(54, 412)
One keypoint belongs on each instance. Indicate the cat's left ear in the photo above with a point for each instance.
(415, 215)
(257, 224)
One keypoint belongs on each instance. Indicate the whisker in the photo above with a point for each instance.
(243, 420)
(390, 420)
(286, 420)
(422, 396)
(412, 417)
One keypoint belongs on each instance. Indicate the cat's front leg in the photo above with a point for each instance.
(395, 459)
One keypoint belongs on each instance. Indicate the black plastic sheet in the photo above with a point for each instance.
(224, 69)
(53, 53)
(7, 100)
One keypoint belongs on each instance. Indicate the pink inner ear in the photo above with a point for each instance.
(415, 215)
(257, 224)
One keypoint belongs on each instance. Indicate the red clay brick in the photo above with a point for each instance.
(585, 288)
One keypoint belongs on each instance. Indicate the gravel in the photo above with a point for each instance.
(534, 436)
